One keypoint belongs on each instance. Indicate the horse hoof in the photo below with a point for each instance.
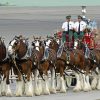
(86, 90)
(29, 95)
(53, 91)
(18, 95)
(62, 91)
(37, 93)
(47, 93)
(76, 90)
(9, 95)
(3, 94)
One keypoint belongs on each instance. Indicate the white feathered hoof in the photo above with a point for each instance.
(76, 89)
(19, 90)
(53, 91)
(98, 87)
(57, 88)
(8, 91)
(29, 94)
(63, 86)
(63, 91)
(18, 94)
(3, 93)
(46, 92)
(40, 87)
(94, 83)
(9, 94)
(36, 92)
(29, 89)
(86, 89)
(98, 84)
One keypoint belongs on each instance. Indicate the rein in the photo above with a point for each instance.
(14, 61)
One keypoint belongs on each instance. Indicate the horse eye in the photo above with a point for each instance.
(40, 43)
(16, 43)
(33, 44)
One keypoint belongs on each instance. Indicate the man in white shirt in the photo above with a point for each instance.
(67, 28)
(79, 28)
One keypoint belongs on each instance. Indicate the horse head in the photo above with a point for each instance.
(37, 43)
(18, 47)
(47, 41)
(54, 44)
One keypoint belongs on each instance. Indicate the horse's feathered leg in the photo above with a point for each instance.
(11, 76)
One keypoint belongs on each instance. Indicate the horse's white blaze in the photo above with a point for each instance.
(36, 88)
(63, 87)
(12, 43)
(37, 45)
(19, 88)
(8, 90)
(3, 88)
(53, 89)
(29, 88)
(78, 83)
(58, 41)
(45, 86)
(10, 50)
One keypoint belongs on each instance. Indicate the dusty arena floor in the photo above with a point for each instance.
(69, 95)
(43, 21)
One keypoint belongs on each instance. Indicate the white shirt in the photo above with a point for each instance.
(65, 25)
(82, 26)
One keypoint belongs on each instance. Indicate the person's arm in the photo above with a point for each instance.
(85, 25)
(63, 26)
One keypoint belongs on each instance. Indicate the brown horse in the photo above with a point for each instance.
(36, 57)
(4, 70)
(21, 64)
(45, 61)
(51, 57)
(95, 57)
(74, 60)
(41, 66)
(59, 63)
